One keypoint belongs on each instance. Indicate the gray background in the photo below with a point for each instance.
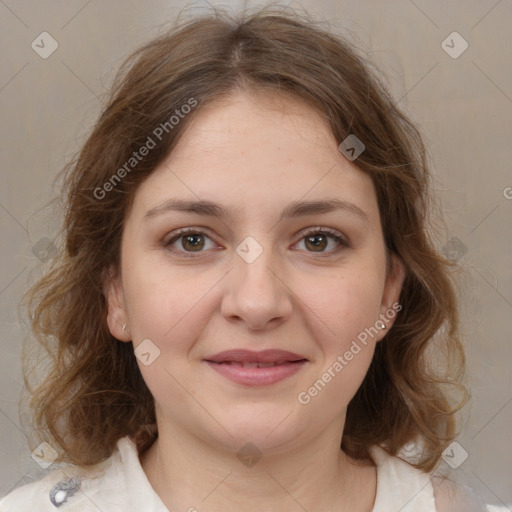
(462, 105)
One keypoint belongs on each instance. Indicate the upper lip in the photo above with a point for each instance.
(249, 356)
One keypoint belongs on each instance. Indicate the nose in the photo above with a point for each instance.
(256, 293)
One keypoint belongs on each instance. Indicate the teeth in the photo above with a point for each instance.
(254, 364)
(249, 365)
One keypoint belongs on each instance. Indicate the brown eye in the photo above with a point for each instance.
(192, 242)
(318, 241)
(188, 241)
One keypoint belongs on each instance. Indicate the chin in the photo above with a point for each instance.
(266, 430)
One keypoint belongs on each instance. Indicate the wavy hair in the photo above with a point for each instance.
(92, 392)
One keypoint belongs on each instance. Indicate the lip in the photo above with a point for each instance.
(229, 364)
(249, 356)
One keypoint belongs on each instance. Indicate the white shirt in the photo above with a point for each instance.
(119, 484)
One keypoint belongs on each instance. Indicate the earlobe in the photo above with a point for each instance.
(390, 305)
(117, 319)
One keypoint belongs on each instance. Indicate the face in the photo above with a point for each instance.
(312, 282)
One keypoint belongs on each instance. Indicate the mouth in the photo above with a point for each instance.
(242, 364)
(251, 359)
(256, 368)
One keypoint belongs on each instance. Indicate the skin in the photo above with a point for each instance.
(254, 153)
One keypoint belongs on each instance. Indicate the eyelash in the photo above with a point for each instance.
(315, 231)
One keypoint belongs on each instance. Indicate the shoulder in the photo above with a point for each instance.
(403, 486)
(70, 485)
(451, 496)
(42, 495)
(118, 484)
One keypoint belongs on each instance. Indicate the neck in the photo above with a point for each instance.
(191, 474)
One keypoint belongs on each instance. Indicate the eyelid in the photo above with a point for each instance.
(177, 234)
(338, 236)
(324, 229)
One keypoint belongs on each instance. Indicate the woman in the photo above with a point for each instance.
(243, 314)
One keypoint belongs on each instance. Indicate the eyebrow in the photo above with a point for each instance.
(294, 209)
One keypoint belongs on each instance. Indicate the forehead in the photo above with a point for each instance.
(275, 121)
(255, 153)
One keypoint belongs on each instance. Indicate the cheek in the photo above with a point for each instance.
(164, 305)
(341, 305)
(342, 316)
(171, 309)
(345, 334)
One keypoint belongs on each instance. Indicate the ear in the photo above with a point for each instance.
(390, 306)
(116, 308)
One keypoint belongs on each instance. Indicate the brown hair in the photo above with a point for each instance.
(93, 392)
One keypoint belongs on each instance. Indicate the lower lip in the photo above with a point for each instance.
(257, 376)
